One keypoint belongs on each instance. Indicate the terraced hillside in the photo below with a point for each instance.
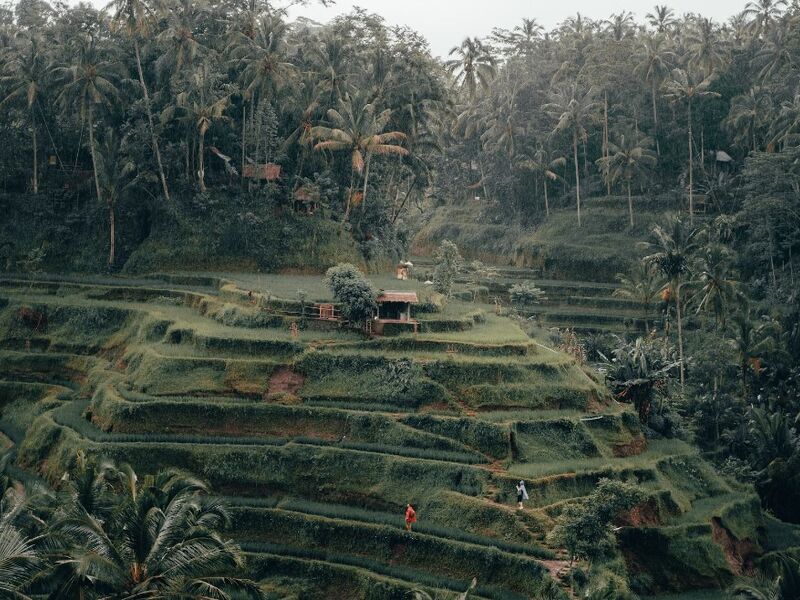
(584, 306)
(319, 439)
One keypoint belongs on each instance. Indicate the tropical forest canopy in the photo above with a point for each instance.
(645, 173)
(127, 131)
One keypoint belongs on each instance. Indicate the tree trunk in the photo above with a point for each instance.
(201, 172)
(546, 203)
(655, 118)
(691, 174)
(35, 156)
(244, 140)
(405, 199)
(112, 234)
(153, 138)
(366, 181)
(771, 255)
(630, 202)
(605, 142)
(744, 377)
(188, 162)
(349, 195)
(91, 151)
(577, 173)
(702, 146)
(680, 334)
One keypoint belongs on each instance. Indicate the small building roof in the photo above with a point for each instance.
(390, 296)
(268, 171)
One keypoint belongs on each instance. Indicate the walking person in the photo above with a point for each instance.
(411, 516)
(522, 493)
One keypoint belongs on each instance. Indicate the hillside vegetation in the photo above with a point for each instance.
(319, 440)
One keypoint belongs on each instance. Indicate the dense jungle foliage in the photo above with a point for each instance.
(130, 136)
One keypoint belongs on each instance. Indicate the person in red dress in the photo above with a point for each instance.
(411, 516)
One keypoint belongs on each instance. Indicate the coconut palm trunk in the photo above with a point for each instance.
(35, 155)
(691, 171)
(654, 93)
(201, 171)
(605, 140)
(153, 138)
(546, 202)
(680, 335)
(112, 233)
(349, 195)
(577, 173)
(244, 139)
(630, 201)
(90, 118)
(366, 181)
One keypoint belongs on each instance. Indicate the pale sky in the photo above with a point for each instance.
(446, 22)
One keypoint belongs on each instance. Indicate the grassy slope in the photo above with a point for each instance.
(605, 245)
(172, 381)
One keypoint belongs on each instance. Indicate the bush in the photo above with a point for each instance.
(526, 294)
(353, 291)
(448, 265)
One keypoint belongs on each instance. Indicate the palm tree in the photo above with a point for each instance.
(653, 68)
(24, 74)
(200, 108)
(643, 285)
(521, 40)
(747, 114)
(544, 162)
(776, 54)
(161, 539)
(620, 25)
(136, 18)
(787, 123)
(361, 133)
(683, 87)
(20, 560)
(715, 286)
(117, 174)
(418, 594)
(179, 43)
(331, 61)
(573, 112)
(89, 84)
(628, 159)
(706, 50)
(662, 19)
(502, 127)
(751, 339)
(763, 14)
(472, 65)
(637, 371)
(672, 249)
(784, 582)
(260, 60)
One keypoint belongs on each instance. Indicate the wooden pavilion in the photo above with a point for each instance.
(394, 308)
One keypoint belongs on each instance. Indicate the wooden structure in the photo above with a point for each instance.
(395, 308)
(306, 199)
(327, 312)
(403, 270)
(268, 171)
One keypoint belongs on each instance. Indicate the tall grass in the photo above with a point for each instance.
(354, 513)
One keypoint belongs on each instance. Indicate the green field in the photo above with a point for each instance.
(318, 440)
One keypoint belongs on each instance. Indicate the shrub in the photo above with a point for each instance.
(584, 529)
(526, 294)
(353, 291)
(448, 265)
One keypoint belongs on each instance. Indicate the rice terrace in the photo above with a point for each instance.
(297, 302)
